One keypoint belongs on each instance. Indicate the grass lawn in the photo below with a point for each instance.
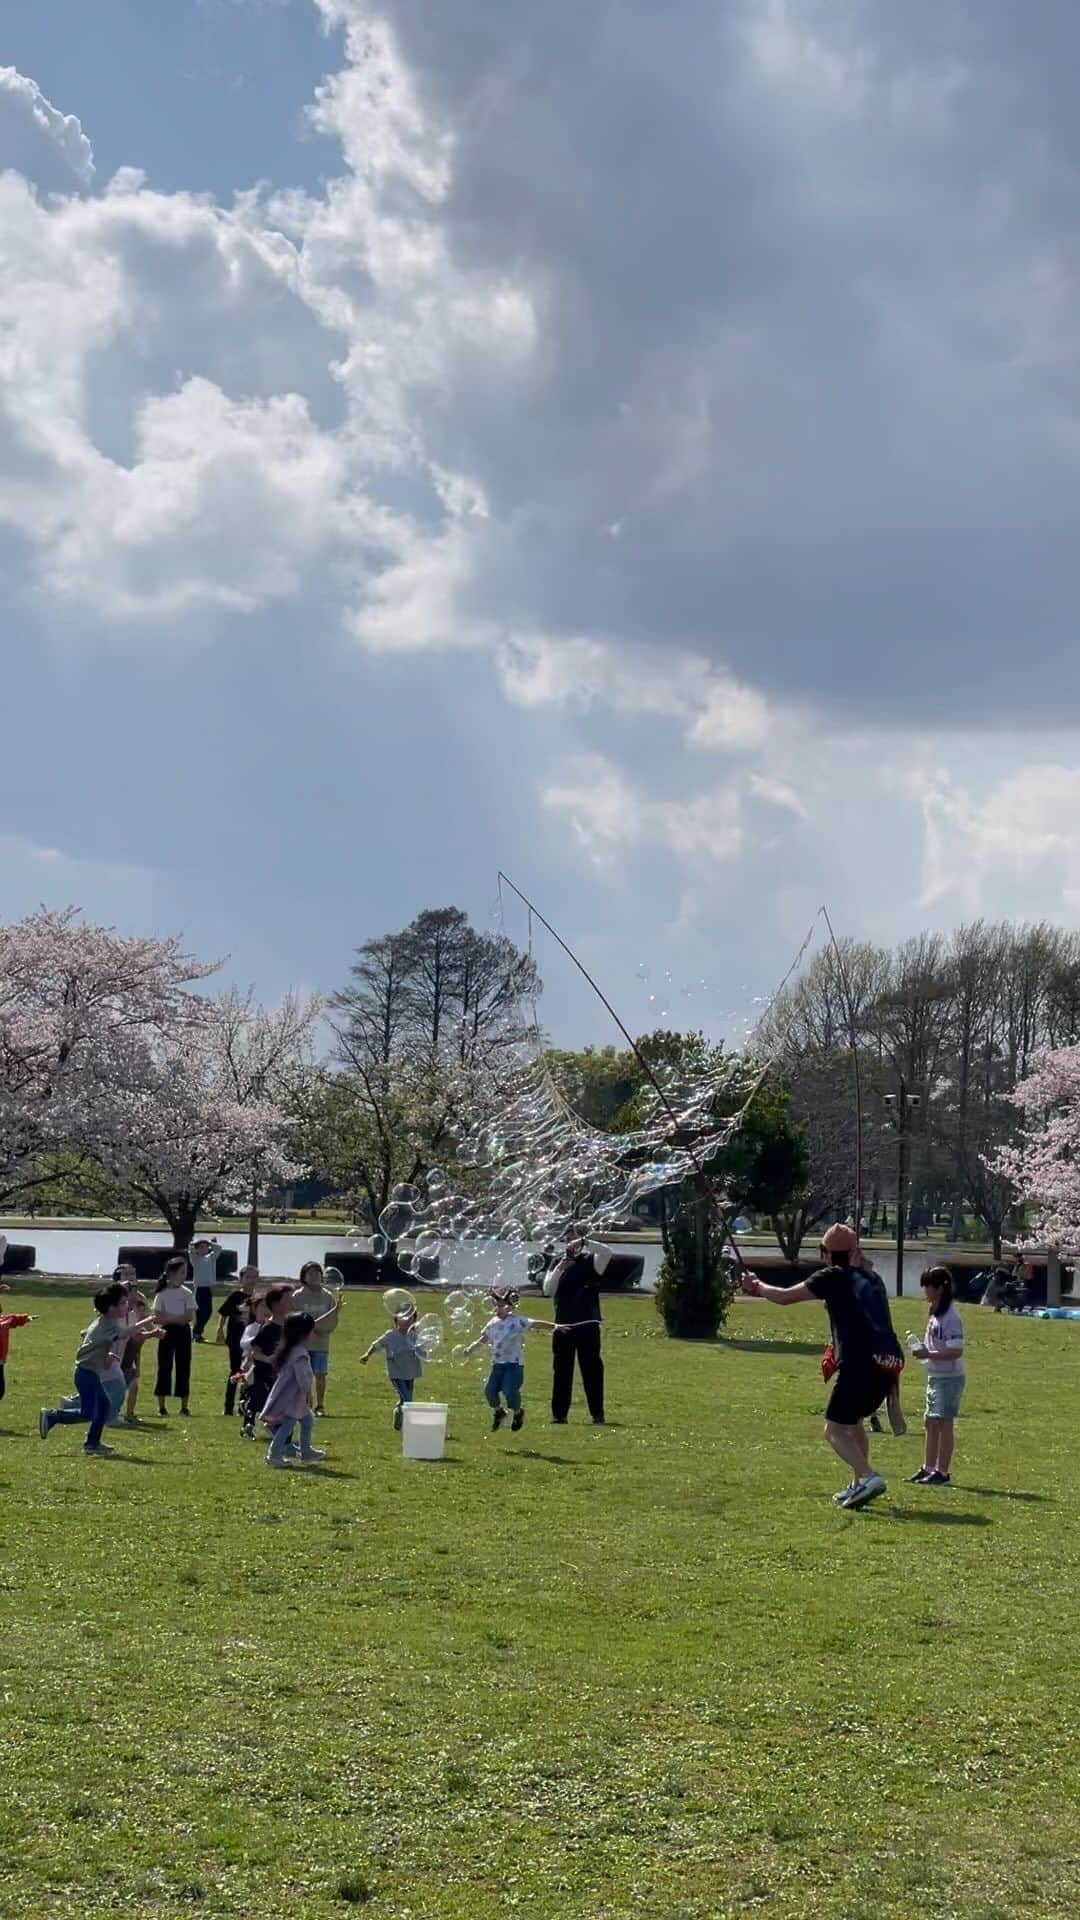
(646, 1671)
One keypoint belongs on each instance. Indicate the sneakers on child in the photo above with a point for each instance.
(271, 1462)
(497, 1419)
(919, 1479)
(841, 1499)
(44, 1423)
(518, 1421)
(313, 1453)
(937, 1480)
(104, 1452)
(399, 1415)
(870, 1488)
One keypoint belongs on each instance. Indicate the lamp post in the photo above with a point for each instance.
(901, 1104)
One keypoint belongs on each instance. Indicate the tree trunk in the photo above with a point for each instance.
(253, 1229)
(182, 1218)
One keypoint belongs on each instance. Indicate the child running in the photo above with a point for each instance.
(8, 1321)
(942, 1354)
(289, 1401)
(102, 1342)
(505, 1335)
(261, 1344)
(404, 1362)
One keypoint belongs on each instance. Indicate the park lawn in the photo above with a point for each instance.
(641, 1671)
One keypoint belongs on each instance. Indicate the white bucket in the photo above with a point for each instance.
(423, 1430)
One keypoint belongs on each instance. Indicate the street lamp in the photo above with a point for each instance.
(901, 1104)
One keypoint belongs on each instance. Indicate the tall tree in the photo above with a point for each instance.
(267, 1060)
(204, 1120)
(80, 1006)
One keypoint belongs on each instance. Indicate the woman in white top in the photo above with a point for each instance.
(174, 1311)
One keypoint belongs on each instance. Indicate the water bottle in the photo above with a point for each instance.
(913, 1342)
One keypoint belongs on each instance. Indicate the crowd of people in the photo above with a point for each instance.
(278, 1342)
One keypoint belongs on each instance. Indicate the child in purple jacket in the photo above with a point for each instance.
(289, 1400)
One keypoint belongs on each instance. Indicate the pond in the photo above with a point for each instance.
(93, 1250)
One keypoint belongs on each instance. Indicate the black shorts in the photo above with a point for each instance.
(857, 1392)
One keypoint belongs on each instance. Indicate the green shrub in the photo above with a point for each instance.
(695, 1287)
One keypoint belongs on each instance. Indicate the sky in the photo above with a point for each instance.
(632, 447)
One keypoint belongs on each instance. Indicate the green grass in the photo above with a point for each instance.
(646, 1671)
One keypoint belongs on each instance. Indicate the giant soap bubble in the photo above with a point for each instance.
(396, 1300)
(396, 1220)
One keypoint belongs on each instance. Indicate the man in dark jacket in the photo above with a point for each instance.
(573, 1284)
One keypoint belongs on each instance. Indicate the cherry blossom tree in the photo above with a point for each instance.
(1043, 1166)
(206, 1120)
(267, 1060)
(81, 1010)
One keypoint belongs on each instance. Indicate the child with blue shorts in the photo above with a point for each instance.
(404, 1362)
(942, 1354)
(505, 1335)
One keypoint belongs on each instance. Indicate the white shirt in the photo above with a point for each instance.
(506, 1338)
(174, 1302)
(205, 1265)
(944, 1330)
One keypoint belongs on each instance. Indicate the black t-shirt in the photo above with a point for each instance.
(233, 1314)
(266, 1343)
(576, 1296)
(858, 1309)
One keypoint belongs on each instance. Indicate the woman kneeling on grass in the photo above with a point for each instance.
(866, 1351)
(942, 1354)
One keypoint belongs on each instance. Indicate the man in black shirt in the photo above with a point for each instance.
(866, 1353)
(573, 1284)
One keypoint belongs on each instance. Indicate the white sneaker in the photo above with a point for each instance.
(841, 1499)
(865, 1490)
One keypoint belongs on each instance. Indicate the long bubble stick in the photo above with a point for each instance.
(710, 1187)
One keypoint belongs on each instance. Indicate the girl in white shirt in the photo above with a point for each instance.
(505, 1335)
(174, 1311)
(942, 1354)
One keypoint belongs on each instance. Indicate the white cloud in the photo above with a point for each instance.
(713, 710)
(1014, 850)
(170, 373)
(24, 108)
(611, 818)
(777, 793)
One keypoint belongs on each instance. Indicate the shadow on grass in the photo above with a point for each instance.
(9, 1433)
(327, 1473)
(552, 1459)
(815, 1347)
(929, 1518)
(1004, 1493)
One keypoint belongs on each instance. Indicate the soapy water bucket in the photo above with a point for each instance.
(423, 1430)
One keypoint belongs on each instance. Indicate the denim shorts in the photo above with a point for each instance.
(944, 1392)
(320, 1362)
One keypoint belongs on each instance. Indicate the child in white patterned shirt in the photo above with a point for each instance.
(505, 1335)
